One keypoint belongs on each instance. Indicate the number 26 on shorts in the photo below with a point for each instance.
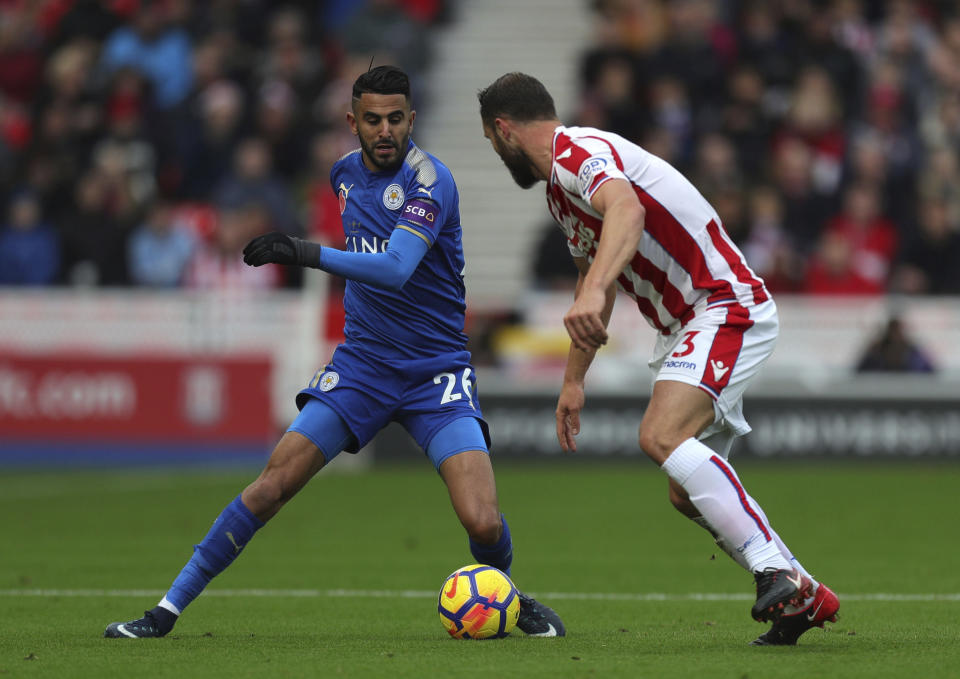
(449, 381)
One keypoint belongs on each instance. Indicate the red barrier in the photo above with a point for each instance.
(135, 398)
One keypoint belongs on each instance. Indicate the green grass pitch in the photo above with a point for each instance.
(343, 582)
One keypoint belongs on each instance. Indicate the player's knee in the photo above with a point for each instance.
(484, 526)
(656, 442)
(265, 496)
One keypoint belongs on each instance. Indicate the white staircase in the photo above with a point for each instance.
(544, 38)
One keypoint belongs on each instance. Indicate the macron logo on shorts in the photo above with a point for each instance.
(680, 365)
(719, 370)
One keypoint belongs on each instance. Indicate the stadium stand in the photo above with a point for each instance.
(142, 141)
(109, 109)
(825, 132)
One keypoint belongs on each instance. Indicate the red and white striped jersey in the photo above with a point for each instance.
(685, 262)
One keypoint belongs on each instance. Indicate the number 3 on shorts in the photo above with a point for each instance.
(450, 381)
(686, 345)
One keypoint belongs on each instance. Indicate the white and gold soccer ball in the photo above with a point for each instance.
(478, 602)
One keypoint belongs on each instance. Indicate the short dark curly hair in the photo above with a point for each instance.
(382, 80)
(517, 96)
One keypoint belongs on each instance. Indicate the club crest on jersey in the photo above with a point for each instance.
(589, 171)
(393, 197)
(342, 196)
(328, 380)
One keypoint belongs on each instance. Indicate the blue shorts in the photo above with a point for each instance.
(423, 396)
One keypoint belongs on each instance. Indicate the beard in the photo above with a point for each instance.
(521, 169)
(394, 161)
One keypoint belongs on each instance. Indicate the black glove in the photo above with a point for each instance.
(279, 248)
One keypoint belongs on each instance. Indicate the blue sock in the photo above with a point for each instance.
(229, 535)
(500, 554)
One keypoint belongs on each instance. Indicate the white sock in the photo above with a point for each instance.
(721, 543)
(787, 554)
(165, 603)
(790, 609)
(738, 557)
(716, 492)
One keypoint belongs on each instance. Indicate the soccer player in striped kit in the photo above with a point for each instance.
(635, 223)
(404, 358)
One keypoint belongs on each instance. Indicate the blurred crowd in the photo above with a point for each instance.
(826, 133)
(143, 142)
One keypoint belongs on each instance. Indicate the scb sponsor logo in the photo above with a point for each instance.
(418, 211)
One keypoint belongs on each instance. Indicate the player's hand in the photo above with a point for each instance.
(271, 248)
(584, 320)
(569, 406)
(279, 248)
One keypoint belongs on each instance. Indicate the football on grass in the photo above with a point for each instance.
(478, 602)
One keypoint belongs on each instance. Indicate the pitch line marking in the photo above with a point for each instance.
(423, 594)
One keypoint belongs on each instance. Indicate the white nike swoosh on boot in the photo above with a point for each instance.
(123, 630)
(552, 632)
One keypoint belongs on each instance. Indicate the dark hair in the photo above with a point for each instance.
(382, 80)
(518, 96)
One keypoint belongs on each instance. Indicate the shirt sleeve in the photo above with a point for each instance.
(389, 269)
(584, 168)
(423, 210)
(333, 176)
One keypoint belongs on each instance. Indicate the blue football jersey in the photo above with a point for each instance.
(425, 317)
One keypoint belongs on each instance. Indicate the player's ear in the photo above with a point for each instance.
(413, 115)
(502, 128)
(352, 122)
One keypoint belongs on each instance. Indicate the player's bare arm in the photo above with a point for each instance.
(623, 221)
(572, 397)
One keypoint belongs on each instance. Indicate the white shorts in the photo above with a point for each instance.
(720, 351)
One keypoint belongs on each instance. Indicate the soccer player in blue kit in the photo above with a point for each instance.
(404, 357)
